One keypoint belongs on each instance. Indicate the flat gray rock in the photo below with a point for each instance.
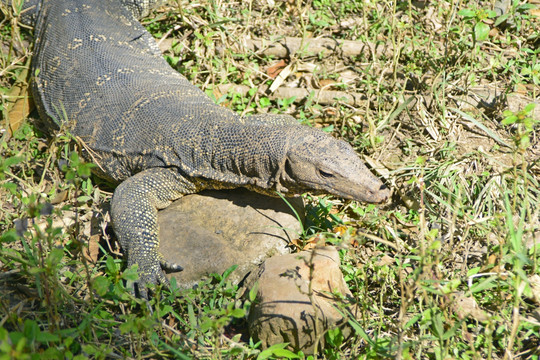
(210, 231)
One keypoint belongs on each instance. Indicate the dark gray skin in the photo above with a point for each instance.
(99, 74)
(331, 167)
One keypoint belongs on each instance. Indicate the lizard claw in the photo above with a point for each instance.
(151, 270)
(169, 267)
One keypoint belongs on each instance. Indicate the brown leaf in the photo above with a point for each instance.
(282, 76)
(340, 230)
(19, 104)
(330, 112)
(534, 282)
(308, 244)
(521, 89)
(59, 197)
(218, 94)
(275, 69)
(493, 264)
(494, 32)
(385, 260)
(327, 84)
(347, 233)
(467, 307)
(93, 249)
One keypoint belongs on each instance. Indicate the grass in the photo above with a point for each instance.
(449, 269)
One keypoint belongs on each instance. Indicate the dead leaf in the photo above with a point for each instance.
(327, 84)
(307, 67)
(216, 91)
(534, 282)
(340, 230)
(494, 32)
(93, 249)
(19, 104)
(521, 89)
(310, 243)
(468, 307)
(291, 7)
(275, 69)
(59, 197)
(280, 79)
(493, 264)
(385, 260)
(533, 240)
(165, 44)
(536, 314)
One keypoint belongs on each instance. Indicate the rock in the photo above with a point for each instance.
(283, 311)
(210, 231)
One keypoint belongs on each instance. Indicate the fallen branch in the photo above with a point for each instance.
(477, 98)
(323, 97)
(492, 97)
(286, 47)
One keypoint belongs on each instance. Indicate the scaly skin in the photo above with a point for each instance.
(99, 74)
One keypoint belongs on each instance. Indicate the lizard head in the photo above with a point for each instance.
(321, 164)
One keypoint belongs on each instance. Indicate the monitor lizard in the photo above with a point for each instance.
(99, 74)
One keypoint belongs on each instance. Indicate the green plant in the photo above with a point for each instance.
(476, 18)
(525, 124)
(277, 351)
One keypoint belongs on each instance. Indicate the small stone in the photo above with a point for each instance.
(283, 311)
(210, 231)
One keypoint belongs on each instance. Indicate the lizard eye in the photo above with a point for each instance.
(324, 174)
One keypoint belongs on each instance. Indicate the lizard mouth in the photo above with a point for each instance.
(376, 194)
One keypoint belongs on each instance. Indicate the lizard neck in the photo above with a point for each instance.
(251, 155)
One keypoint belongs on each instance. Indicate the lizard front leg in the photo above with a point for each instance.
(134, 214)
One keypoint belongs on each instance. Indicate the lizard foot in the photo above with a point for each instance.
(151, 270)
